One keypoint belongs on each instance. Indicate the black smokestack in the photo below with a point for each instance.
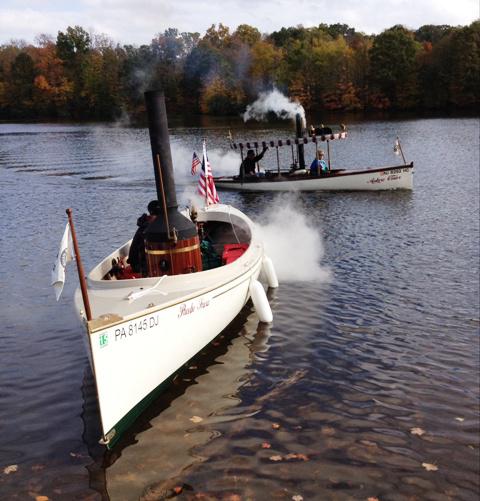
(160, 142)
(170, 224)
(299, 133)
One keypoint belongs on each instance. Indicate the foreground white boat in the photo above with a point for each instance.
(142, 330)
(383, 178)
(137, 344)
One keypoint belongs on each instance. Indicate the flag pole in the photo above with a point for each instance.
(401, 151)
(81, 273)
(205, 162)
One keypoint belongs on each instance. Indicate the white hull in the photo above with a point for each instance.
(388, 178)
(136, 345)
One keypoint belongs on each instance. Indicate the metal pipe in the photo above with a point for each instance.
(160, 142)
(299, 131)
(164, 201)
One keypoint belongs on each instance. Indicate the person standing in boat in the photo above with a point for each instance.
(319, 166)
(248, 166)
(136, 256)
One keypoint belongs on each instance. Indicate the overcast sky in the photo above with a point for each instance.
(138, 21)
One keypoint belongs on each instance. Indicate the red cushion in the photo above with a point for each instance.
(231, 252)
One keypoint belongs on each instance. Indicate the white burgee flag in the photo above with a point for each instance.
(64, 256)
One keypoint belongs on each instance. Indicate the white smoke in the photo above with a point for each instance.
(295, 246)
(273, 102)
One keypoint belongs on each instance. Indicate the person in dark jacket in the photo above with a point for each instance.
(137, 258)
(248, 166)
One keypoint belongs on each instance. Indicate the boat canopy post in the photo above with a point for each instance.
(328, 153)
(81, 273)
(278, 161)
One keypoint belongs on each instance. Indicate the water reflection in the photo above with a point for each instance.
(160, 447)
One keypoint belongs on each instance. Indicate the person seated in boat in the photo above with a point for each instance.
(248, 166)
(137, 258)
(319, 166)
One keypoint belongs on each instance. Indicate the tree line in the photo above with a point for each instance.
(80, 75)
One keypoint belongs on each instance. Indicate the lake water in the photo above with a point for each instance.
(365, 385)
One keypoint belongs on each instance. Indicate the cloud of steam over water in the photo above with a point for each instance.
(273, 102)
(294, 246)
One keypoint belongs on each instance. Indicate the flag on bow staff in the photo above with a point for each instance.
(195, 163)
(64, 255)
(206, 186)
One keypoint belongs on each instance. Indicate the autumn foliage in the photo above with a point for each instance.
(329, 67)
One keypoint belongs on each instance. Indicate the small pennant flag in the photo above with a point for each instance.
(396, 147)
(195, 163)
(63, 257)
(206, 186)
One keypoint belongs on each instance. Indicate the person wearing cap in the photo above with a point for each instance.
(248, 166)
(136, 256)
(318, 166)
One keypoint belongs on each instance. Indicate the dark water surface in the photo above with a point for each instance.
(361, 378)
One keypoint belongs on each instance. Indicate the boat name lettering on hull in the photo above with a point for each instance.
(376, 180)
(136, 327)
(189, 308)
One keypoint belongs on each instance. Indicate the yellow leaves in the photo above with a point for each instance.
(10, 469)
(297, 497)
(275, 426)
(196, 419)
(42, 498)
(300, 457)
(289, 457)
(218, 96)
(430, 467)
(417, 431)
(266, 59)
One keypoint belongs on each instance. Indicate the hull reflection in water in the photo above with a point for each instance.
(166, 448)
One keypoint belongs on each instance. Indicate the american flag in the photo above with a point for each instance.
(206, 186)
(195, 163)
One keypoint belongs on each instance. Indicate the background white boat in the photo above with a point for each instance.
(298, 176)
(383, 178)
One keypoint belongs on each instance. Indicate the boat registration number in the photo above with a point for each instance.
(134, 327)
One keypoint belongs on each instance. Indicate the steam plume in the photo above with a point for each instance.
(276, 102)
(283, 224)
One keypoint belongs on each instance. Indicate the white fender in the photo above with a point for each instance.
(260, 301)
(269, 271)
